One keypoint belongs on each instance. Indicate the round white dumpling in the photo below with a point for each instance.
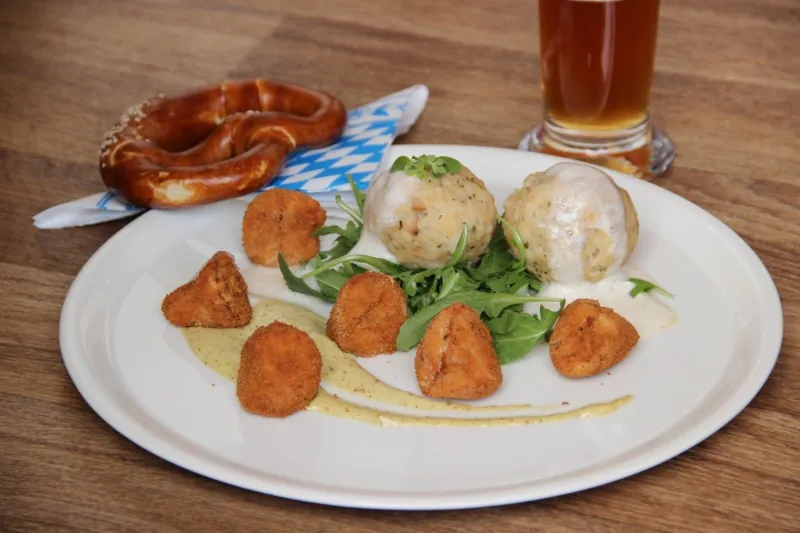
(576, 223)
(419, 220)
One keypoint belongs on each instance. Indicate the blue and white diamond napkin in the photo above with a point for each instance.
(370, 130)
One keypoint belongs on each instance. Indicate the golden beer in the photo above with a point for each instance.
(597, 59)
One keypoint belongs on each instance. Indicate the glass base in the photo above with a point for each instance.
(647, 159)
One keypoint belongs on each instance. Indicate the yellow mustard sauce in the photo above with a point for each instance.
(219, 349)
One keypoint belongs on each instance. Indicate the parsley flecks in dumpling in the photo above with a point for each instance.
(576, 223)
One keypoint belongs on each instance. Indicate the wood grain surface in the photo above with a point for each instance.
(726, 88)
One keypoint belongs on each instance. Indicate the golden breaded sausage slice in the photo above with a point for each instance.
(282, 221)
(280, 371)
(589, 339)
(215, 298)
(367, 315)
(456, 357)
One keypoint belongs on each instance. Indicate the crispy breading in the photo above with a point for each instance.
(367, 315)
(589, 339)
(215, 298)
(456, 358)
(282, 221)
(279, 372)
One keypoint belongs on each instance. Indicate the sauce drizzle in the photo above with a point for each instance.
(219, 349)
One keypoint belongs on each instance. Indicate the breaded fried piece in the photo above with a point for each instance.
(456, 358)
(280, 371)
(367, 315)
(282, 221)
(215, 298)
(589, 339)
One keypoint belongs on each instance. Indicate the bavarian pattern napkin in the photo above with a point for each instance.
(370, 130)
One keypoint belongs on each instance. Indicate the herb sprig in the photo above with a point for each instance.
(641, 285)
(419, 166)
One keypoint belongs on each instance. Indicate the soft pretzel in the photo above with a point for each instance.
(214, 143)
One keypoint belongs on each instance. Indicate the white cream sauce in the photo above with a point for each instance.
(371, 244)
(388, 192)
(647, 312)
(582, 198)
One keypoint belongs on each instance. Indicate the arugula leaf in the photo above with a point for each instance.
(419, 287)
(331, 281)
(351, 269)
(333, 230)
(499, 271)
(351, 233)
(516, 240)
(296, 284)
(414, 327)
(515, 333)
(461, 247)
(640, 285)
(452, 281)
(382, 265)
(496, 260)
(349, 210)
(512, 283)
(358, 194)
(346, 240)
(419, 166)
(412, 281)
(425, 297)
(423, 287)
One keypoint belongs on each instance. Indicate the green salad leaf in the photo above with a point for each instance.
(519, 246)
(461, 247)
(349, 234)
(347, 238)
(413, 329)
(498, 269)
(358, 194)
(496, 261)
(296, 284)
(515, 333)
(381, 265)
(497, 285)
(641, 285)
(331, 281)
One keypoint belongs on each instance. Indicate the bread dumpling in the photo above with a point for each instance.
(576, 223)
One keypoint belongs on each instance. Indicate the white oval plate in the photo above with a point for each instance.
(137, 373)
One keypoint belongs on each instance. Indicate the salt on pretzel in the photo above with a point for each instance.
(214, 143)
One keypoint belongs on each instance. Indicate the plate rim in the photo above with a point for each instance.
(746, 391)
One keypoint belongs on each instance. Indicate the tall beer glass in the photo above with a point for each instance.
(597, 61)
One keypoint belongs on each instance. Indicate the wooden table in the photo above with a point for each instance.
(727, 89)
